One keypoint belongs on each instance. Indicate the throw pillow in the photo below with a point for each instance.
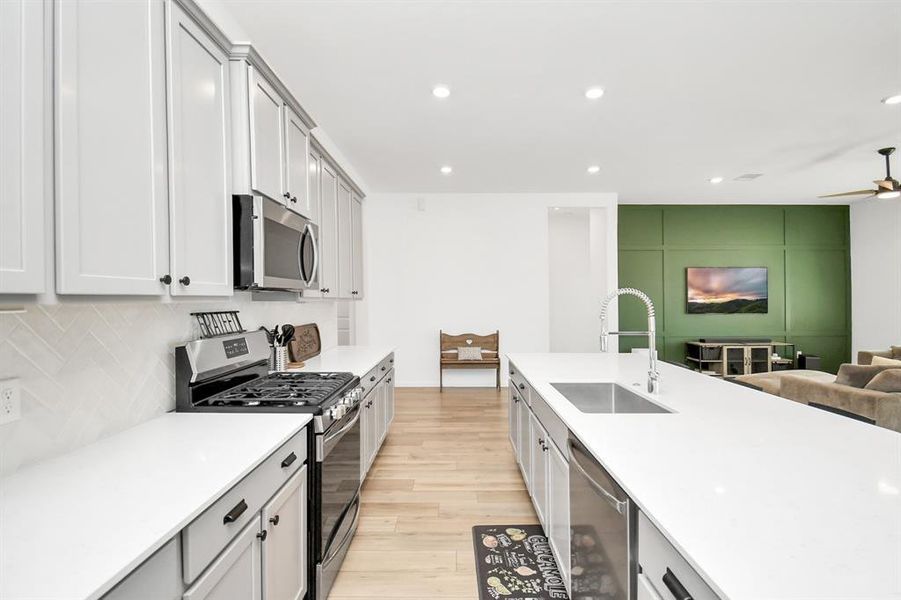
(859, 375)
(470, 353)
(881, 360)
(896, 352)
(888, 381)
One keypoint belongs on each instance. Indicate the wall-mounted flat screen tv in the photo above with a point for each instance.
(726, 290)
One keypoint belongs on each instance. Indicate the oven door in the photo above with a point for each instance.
(339, 455)
(285, 252)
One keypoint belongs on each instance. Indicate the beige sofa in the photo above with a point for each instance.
(847, 395)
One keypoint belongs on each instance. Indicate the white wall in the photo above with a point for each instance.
(578, 273)
(875, 275)
(89, 370)
(461, 262)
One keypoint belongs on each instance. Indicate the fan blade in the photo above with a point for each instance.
(855, 193)
(885, 183)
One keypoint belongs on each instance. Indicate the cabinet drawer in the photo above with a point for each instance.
(518, 381)
(205, 537)
(555, 428)
(656, 556)
(376, 373)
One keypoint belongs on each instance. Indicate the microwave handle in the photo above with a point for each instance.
(308, 230)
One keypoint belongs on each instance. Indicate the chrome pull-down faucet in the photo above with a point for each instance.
(651, 333)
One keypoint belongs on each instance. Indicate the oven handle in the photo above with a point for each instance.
(347, 537)
(320, 450)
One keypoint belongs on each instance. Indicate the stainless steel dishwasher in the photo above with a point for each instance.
(603, 531)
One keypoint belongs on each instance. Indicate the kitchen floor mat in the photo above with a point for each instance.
(514, 562)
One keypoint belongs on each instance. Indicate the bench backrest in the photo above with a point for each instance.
(450, 342)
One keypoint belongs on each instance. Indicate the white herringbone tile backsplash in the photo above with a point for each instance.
(90, 370)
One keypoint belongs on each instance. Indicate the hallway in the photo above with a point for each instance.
(447, 465)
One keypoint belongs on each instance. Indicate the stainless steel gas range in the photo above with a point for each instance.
(230, 373)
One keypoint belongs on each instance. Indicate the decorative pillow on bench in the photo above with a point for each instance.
(888, 381)
(469, 353)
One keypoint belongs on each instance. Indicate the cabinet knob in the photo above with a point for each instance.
(185, 281)
(166, 279)
(522, 386)
(325, 290)
(372, 378)
(293, 198)
(263, 535)
(383, 368)
(287, 196)
(274, 520)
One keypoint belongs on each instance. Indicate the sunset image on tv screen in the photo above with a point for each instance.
(726, 290)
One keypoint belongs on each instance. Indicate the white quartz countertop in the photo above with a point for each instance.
(353, 359)
(765, 497)
(73, 526)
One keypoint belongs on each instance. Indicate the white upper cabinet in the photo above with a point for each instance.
(345, 241)
(328, 231)
(356, 218)
(266, 135)
(313, 185)
(297, 152)
(111, 180)
(23, 165)
(199, 160)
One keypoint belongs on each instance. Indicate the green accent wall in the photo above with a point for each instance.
(805, 248)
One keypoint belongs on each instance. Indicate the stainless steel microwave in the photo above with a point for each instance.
(275, 248)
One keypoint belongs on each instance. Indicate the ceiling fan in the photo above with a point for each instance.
(885, 188)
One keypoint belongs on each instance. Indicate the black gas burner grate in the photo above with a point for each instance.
(284, 389)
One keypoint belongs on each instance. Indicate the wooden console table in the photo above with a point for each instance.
(731, 359)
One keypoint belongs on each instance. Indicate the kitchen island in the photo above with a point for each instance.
(762, 496)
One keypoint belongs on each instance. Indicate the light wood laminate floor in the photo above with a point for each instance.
(446, 465)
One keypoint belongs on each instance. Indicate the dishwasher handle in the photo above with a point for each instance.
(620, 505)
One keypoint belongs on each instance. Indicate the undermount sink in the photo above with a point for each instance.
(610, 398)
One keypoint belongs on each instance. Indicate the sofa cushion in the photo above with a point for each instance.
(888, 381)
(859, 376)
(881, 360)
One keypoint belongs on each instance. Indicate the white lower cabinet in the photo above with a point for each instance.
(250, 544)
(376, 412)
(525, 443)
(545, 469)
(663, 570)
(158, 577)
(237, 573)
(557, 513)
(285, 547)
(646, 589)
(539, 462)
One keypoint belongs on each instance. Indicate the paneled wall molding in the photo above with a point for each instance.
(806, 252)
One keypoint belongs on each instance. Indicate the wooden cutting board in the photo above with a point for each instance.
(306, 343)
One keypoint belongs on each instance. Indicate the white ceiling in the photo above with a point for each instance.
(693, 90)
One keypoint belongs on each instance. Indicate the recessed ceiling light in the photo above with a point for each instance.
(715, 180)
(593, 93)
(593, 169)
(441, 91)
(447, 170)
(896, 99)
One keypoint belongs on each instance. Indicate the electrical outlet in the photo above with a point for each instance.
(10, 400)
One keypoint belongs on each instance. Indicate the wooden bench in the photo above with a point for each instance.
(490, 345)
